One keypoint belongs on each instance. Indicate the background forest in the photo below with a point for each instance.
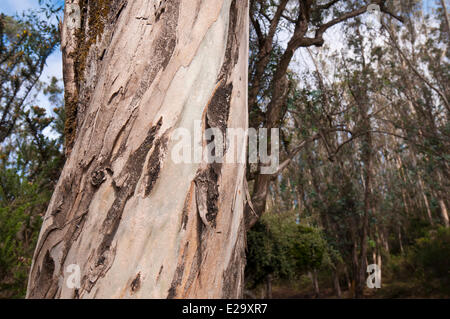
(365, 147)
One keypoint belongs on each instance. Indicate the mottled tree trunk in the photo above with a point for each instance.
(136, 223)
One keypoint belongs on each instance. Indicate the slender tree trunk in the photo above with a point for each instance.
(315, 282)
(400, 240)
(355, 261)
(337, 285)
(136, 223)
(384, 239)
(367, 159)
(447, 23)
(269, 286)
(347, 278)
(444, 212)
(379, 263)
(402, 174)
(425, 200)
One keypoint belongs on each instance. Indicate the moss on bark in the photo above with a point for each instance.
(94, 15)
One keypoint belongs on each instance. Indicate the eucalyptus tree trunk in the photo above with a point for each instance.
(444, 212)
(136, 223)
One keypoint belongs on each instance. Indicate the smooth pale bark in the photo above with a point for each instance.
(425, 200)
(136, 223)
(379, 263)
(384, 240)
(444, 213)
(441, 195)
(315, 282)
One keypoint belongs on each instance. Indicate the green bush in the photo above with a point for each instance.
(269, 248)
(423, 271)
(309, 248)
(431, 255)
(19, 228)
(277, 245)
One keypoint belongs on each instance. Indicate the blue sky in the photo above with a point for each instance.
(16, 6)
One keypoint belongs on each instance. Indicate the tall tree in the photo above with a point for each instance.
(135, 222)
(25, 44)
(305, 23)
(30, 161)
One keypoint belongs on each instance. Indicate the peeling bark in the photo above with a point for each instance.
(123, 211)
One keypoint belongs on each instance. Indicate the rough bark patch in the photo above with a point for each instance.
(206, 182)
(217, 114)
(232, 50)
(219, 108)
(159, 273)
(45, 277)
(154, 163)
(186, 207)
(178, 275)
(94, 15)
(131, 174)
(70, 124)
(207, 195)
(136, 283)
(98, 177)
